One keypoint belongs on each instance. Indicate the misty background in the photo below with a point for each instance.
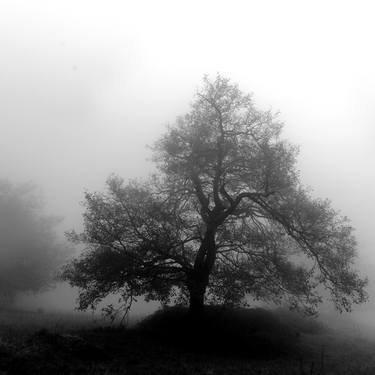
(86, 85)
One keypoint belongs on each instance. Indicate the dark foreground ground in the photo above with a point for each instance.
(253, 341)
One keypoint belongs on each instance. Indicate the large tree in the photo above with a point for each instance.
(30, 251)
(225, 218)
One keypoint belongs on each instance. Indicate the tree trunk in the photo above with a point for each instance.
(199, 277)
(197, 290)
(196, 301)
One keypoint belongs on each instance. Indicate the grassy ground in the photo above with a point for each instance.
(253, 341)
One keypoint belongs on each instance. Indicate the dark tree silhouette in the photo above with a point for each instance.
(226, 217)
(30, 253)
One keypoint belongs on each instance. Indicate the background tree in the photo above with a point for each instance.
(226, 217)
(30, 253)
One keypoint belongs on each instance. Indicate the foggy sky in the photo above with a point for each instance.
(86, 85)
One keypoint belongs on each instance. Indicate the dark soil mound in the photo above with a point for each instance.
(255, 333)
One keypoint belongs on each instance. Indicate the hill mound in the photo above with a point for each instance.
(256, 333)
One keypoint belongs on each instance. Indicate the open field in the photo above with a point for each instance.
(250, 342)
(15, 325)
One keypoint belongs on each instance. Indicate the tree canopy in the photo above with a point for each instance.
(30, 252)
(225, 218)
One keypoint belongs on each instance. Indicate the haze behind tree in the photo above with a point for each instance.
(85, 86)
(225, 217)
